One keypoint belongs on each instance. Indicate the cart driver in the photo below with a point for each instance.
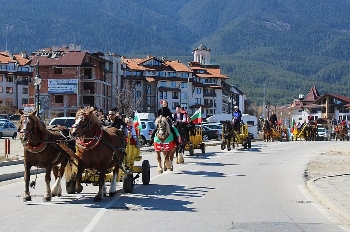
(237, 118)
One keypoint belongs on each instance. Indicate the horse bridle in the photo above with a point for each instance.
(24, 130)
(89, 125)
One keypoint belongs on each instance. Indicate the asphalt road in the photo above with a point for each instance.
(260, 189)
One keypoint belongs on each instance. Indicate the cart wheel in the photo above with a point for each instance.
(203, 148)
(191, 150)
(245, 144)
(249, 143)
(146, 172)
(128, 184)
(70, 187)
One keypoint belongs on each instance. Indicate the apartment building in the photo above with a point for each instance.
(200, 84)
(72, 78)
(320, 107)
(15, 74)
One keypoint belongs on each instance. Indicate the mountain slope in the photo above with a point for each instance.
(286, 45)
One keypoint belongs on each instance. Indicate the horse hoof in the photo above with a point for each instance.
(112, 194)
(27, 198)
(160, 171)
(46, 199)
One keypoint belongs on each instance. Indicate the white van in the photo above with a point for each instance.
(252, 123)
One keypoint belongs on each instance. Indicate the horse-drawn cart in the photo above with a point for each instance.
(129, 169)
(195, 141)
(126, 173)
(235, 137)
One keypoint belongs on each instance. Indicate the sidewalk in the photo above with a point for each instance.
(329, 179)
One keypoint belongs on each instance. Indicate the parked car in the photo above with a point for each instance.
(147, 128)
(8, 129)
(63, 121)
(215, 126)
(322, 134)
(208, 133)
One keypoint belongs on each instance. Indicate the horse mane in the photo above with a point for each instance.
(37, 121)
(162, 119)
(89, 111)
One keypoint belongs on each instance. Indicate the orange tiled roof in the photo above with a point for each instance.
(6, 57)
(177, 66)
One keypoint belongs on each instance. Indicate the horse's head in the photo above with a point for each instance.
(85, 121)
(29, 125)
(163, 127)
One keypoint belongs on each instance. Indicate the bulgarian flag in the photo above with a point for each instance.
(137, 123)
(196, 118)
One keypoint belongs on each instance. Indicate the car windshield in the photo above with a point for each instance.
(321, 130)
(2, 124)
(152, 125)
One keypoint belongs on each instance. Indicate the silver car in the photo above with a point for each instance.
(8, 129)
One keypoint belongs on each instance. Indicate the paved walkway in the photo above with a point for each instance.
(328, 174)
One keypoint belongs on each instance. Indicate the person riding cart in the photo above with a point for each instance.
(237, 118)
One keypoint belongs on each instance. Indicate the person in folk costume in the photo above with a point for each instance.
(178, 116)
(165, 112)
(134, 140)
(185, 114)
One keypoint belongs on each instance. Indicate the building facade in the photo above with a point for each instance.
(15, 75)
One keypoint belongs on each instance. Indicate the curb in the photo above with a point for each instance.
(329, 202)
(15, 175)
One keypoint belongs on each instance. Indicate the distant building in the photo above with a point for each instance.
(15, 74)
(200, 84)
(319, 107)
(72, 78)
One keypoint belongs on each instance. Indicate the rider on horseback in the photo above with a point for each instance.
(165, 112)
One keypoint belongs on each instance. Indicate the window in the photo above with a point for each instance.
(1, 78)
(175, 95)
(25, 90)
(9, 90)
(138, 94)
(1, 90)
(58, 98)
(198, 101)
(24, 101)
(173, 84)
(174, 104)
(57, 70)
(198, 90)
(162, 84)
(163, 95)
(9, 78)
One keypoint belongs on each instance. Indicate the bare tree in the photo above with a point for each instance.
(8, 107)
(126, 102)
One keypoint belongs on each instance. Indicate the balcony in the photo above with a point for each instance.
(209, 94)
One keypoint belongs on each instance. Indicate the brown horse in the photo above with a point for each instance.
(341, 132)
(43, 148)
(98, 149)
(267, 130)
(164, 142)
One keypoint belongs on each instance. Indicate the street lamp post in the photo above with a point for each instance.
(37, 82)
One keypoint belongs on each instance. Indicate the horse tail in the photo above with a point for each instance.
(70, 169)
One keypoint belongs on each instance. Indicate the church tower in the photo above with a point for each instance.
(202, 55)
